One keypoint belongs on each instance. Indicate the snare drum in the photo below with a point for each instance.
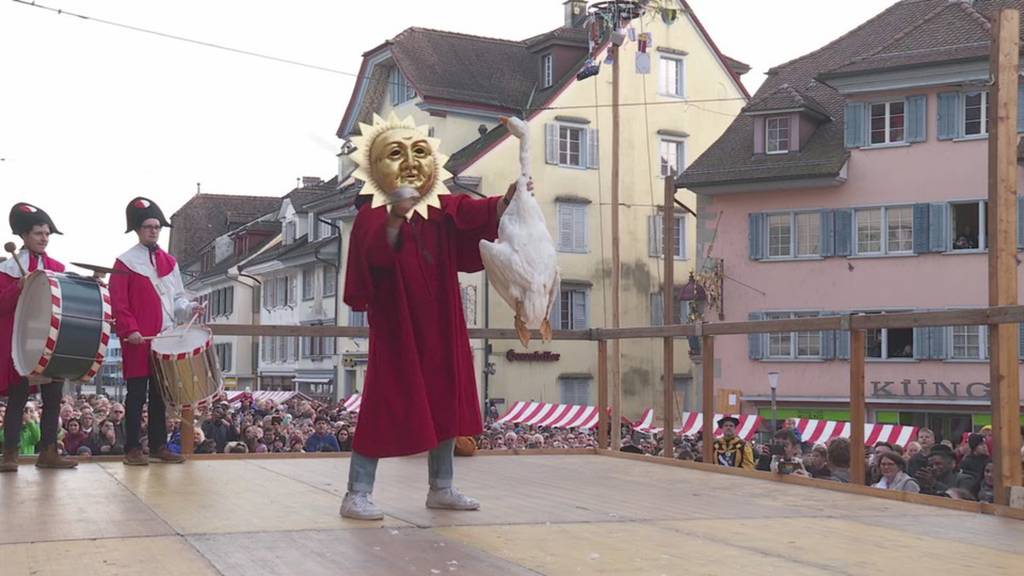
(185, 366)
(61, 326)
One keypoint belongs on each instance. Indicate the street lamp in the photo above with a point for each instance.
(773, 382)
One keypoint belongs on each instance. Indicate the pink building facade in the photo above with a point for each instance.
(855, 182)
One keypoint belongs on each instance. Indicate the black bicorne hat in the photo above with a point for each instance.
(24, 216)
(724, 419)
(141, 209)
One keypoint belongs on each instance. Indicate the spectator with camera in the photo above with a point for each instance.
(940, 473)
(786, 451)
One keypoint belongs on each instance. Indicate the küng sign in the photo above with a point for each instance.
(924, 389)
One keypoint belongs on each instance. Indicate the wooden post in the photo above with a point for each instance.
(188, 430)
(1002, 252)
(602, 394)
(668, 295)
(708, 346)
(616, 371)
(857, 417)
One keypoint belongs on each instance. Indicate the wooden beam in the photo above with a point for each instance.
(857, 406)
(602, 394)
(708, 353)
(1004, 374)
(668, 295)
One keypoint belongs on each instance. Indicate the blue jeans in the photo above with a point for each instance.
(362, 470)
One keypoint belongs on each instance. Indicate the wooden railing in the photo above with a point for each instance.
(1007, 438)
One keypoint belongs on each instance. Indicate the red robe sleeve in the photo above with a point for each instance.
(475, 220)
(368, 249)
(9, 292)
(120, 303)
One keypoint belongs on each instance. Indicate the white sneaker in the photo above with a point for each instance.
(450, 499)
(359, 506)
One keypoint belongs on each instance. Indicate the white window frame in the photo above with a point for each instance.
(982, 343)
(793, 337)
(679, 63)
(575, 291)
(884, 245)
(329, 290)
(657, 230)
(884, 340)
(547, 67)
(794, 231)
(569, 129)
(671, 147)
(308, 284)
(399, 87)
(982, 227)
(888, 122)
(225, 355)
(784, 124)
(578, 214)
(986, 117)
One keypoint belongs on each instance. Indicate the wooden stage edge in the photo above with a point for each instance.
(935, 501)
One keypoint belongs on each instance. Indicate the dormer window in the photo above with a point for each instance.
(887, 122)
(289, 232)
(401, 89)
(776, 134)
(547, 71)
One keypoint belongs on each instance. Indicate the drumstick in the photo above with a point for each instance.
(10, 247)
(190, 322)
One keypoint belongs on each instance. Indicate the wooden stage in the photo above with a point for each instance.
(543, 514)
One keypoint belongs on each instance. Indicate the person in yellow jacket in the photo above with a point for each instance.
(730, 449)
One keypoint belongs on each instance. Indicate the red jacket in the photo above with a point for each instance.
(9, 293)
(420, 382)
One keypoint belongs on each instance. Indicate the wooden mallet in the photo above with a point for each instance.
(13, 249)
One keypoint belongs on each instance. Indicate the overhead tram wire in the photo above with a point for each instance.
(291, 62)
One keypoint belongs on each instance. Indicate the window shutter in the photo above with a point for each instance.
(844, 232)
(653, 236)
(938, 227)
(949, 115)
(827, 244)
(579, 310)
(917, 118)
(921, 232)
(231, 300)
(579, 225)
(556, 312)
(1020, 338)
(1020, 222)
(564, 227)
(937, 342)
(1020, 107)
(828, 339)
(756, 233)
(922, 351)
(657, 309)
(551, 143)
(293, 288)
(593, 148)
(843, 344)
(755, 342)
(855, 129)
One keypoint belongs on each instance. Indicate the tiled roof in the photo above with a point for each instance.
(785, 97)
(909, 31)
(207, 216)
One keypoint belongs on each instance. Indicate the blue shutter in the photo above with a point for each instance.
(937, 336)
(1020, 338)
(828, 240)
(1020, 222)
(949, 115)
(843, 345)
(921, 232)
(854, 124)
(921, 347)
(755, 342)
(938, 227)
(917, 118)
(844, 232)
(756, 233)
(551, 143)
(828, 339)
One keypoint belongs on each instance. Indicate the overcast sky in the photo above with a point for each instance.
(92, 115)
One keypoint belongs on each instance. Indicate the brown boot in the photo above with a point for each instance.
(10, 461)
(135, 457)
(49, 458)
(165, 456)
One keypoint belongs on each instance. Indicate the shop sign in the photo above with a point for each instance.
(925, 389)
(537, 356)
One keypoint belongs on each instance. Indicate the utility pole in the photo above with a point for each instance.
(1002, 254)
(668, 222)
(613, 365)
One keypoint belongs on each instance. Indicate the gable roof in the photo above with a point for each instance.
(785, 97)
(909, 31)
(207, 216)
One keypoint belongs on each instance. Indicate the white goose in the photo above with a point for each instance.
(522, 264)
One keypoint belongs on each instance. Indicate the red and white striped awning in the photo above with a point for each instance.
(551, 415)
(821, 431)
(692, 422)
(278, 396)
(353, 402)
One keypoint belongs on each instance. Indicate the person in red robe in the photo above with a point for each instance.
(147, 297)
(420, 392)
(34, 226)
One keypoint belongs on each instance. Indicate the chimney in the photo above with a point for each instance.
(308, 181)
(575, 13)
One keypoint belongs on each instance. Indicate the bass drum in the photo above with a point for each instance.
(61, 326)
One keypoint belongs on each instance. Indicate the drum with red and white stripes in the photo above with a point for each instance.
(61, 326)
(185, 366)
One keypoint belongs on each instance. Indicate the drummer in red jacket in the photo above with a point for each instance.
(34, 226)
(147, 297)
